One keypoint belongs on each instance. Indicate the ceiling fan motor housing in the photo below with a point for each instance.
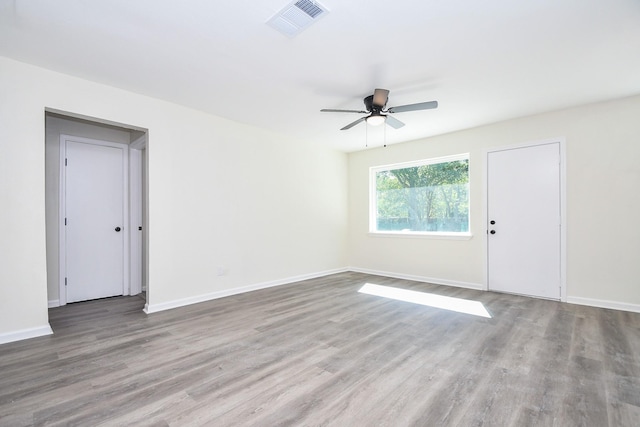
(368, 103)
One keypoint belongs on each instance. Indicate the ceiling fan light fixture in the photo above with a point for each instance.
(376, 119)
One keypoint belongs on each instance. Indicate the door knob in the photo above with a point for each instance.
(118, 228)
(493, 232)
(492, 222)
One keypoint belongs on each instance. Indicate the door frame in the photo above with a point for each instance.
(563, 206)
(62, 252)
(137, 154)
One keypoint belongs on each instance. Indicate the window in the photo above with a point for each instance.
(427, 197)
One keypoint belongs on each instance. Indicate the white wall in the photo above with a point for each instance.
(603, 174)
(220, 194)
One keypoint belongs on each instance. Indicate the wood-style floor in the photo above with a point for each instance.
(319, 353)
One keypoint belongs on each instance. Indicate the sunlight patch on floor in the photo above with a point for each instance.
(459, 305)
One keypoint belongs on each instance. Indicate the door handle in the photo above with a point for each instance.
(118, 228)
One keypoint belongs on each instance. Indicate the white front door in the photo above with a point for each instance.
(524, 220)
(95, 219)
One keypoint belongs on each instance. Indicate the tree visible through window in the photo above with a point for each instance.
(428, 196)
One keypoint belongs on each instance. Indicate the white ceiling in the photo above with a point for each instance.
(483, 61)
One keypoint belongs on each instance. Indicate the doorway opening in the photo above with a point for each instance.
(89, 140)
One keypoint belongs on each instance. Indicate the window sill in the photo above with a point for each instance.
(416, 235)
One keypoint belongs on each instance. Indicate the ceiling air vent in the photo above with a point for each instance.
(297, 16)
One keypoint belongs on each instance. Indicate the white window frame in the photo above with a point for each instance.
(373, 208)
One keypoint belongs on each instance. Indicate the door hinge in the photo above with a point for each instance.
(65, 221)
(65, 281)
(65, 162)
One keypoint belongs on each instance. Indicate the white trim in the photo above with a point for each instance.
(526, 144)
(613, 305)
(140, 143)
(24, 334)
(423, 235)
(62, 243)
(563, 219)
(94, 119)
(433, 280)
(135, 221)
(422, 162)
(62, 291)
(53, 303)
(485, 220)
(154, 308)
(561, 141)
(137, 193)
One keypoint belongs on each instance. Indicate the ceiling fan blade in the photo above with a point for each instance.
(380, 97)
(393, 122)
(331, 110)
(352, 124)
(414, 107)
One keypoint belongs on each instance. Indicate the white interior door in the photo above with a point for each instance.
(95, 220)
(524, 220)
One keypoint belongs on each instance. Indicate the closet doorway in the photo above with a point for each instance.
(106, 183)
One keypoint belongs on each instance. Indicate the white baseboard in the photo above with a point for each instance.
(154, 308)
(54, 303)
(614, 305)
(25, 334)
(435, 281)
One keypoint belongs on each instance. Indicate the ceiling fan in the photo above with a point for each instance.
(375, 104)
